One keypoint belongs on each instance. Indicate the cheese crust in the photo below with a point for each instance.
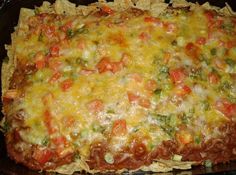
(121, 86)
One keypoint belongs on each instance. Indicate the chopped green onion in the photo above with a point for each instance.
(157, 91)
(177, 157)
(45, 141)
(213, 51)
(109, 158)
(69, 33)
(230, 62)
(208, 163)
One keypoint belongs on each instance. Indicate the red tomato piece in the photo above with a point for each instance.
(95, 106)
(170, 27)
(132, 97)
(226, 107)
(54, 64)
(105, 65)
(54, 51)
(59, 141)
(151, 19)
(87, 72)
(66, 84)
(184, 137)
(209, 15)
(151, 85)
(66, 26)
(144, 36)
(177, 75)
(213, 78)
(183, 90)
(42, 155)
(144, 102)
(55, 77)
(49, 31)
(107, 10)
(48, 122)
(40, 64)
(192, 51)
(201, 40)
(119, 128)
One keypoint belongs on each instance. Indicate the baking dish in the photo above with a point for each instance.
(9, 15)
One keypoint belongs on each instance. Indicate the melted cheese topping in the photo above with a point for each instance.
(156, 74)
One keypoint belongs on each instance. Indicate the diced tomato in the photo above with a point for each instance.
(144, 102)
(47, 99)
(137, 77)
(213, 78)
(66, 84)
(54, 64)
(126, 58)
(42, 155)
(118, 38)
(66, 26)
(177, 75)
(107, 10)
(201, 40)
(184, 137)
(119, 128)
(150, 19)
(231, 44)
(54, 51)
(59, 141)
(48, 30)
(47, 118)
(226, 107)
(95, 106)
(166, 57)
(40, 64)
(220, 63)
(151, 85)
(132, 97)
(139, 150)
(81, 44)
(144, 36)
(192, 51)
(105, 65)
(69, 121)
(87, 72)
(55, 77)
(170, 27)
(209, 15)
(183, 90)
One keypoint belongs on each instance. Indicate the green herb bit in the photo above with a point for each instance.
(157, 91)
(5, 126)
(70, 33)
(204, 59)
(208, 163)
(174, 43)
(197, 140)
(213, 51)
(205, 105)
(36, 11)
(110, 111)
(45, 141)
(40, 37)
(109, 158)
(164, 70)
(230, 62)
(6, 60)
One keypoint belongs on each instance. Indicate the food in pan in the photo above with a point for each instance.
(121, 86)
